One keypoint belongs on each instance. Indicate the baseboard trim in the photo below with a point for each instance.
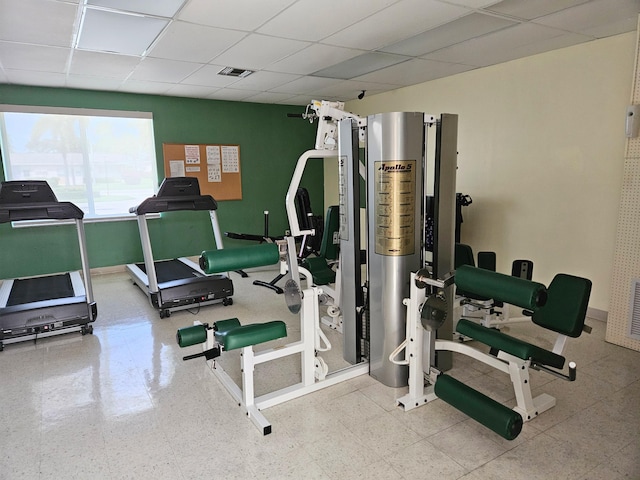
(596, 314)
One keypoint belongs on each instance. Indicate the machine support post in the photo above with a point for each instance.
(351, 296)
(446, 157)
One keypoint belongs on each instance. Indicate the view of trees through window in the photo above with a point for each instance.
(104, 163)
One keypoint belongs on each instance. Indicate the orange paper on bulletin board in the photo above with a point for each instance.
(217, 167)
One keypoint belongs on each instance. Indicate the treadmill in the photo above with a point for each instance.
(179, 283)
(42, 306)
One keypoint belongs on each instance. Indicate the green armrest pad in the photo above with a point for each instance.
(251, 334)
(322, 274)
(508, 344)
(226, 325)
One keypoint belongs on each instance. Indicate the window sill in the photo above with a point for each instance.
(47, 223)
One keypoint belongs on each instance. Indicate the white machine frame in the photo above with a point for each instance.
(314, 371)
(419, 350)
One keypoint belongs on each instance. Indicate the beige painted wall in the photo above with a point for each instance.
(541, 151)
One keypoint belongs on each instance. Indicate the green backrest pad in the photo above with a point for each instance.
(500, 287)
(463, 255)
(230, 259)
(566, 307)
(329, 249)
(252, 334)
(506, 343)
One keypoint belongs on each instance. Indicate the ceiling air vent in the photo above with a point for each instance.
(634, 311)
(235, 72)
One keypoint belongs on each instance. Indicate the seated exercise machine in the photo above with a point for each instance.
(179, 283)
(42, 306)
(229, 334)
(561, 309)
(487, 311)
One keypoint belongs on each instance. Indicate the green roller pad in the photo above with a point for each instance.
(251, 334)
(229, 259)
(504, 421)
(500, 287)
(188, 336)
(506, 343)
(226, 325)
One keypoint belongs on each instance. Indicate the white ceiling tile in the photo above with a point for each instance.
(208, 76)
(162, 8)
(306, 85)
(414, 71)
(34, 57)
(588, 15)
(246, 15)
(141, 86)
(90, 82)
(463, 28)
(161, 70)
(473, 3)
(115, 32)
(313, 58)
(528, 10)
(304, 19)
(267, 97)
(348, 89)
(232, 95)
(301, 100)
(381, 29)
(361, 65)
(485, 50)
(35, 21)
(255, 52)
(614, 28)
(262, 81)
(193, 43)
(98, 64)
(195, 91)
(43, 79)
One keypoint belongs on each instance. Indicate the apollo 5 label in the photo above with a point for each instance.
(395, 206)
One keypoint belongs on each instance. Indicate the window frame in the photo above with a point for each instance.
(5, 171)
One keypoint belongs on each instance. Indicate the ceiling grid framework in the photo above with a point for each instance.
(297, 49)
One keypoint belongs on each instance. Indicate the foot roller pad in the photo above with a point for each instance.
(252, 334)
(504, 421)
(500, 287)
(191, 335)
(230, 259)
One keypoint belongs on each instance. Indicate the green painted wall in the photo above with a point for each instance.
(270, 144)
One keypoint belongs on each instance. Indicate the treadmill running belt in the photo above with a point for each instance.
(28, 290)
(169, 270)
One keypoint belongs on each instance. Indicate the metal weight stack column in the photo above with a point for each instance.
(395, 159)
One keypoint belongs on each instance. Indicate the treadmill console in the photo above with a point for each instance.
(26, 191)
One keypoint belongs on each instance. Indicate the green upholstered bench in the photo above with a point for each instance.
(231, 335)
(564, 312)
(506, 343)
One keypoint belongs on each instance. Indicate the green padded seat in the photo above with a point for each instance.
(245, 335)
(506, 343)
(320, 271)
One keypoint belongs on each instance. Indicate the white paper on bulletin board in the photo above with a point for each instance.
(213, 173)
(230, 159)
(177, 168)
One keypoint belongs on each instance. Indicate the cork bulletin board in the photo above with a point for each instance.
(217, 167)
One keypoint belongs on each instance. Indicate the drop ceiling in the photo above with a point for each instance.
(298, 50)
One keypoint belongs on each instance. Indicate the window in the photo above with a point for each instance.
(103, 161)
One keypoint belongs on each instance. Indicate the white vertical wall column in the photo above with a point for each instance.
(626, 262)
